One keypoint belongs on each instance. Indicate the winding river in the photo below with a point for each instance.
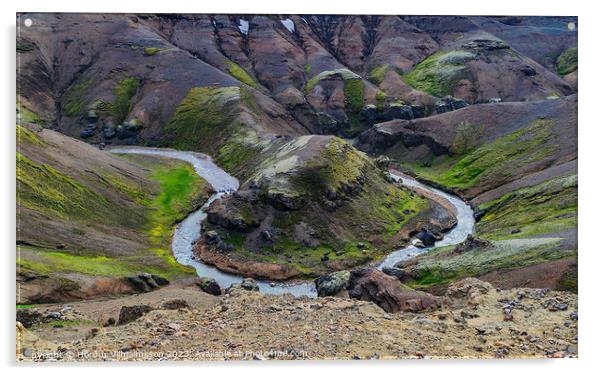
(188, 232)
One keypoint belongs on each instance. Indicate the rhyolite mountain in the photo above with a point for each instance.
(482, 106)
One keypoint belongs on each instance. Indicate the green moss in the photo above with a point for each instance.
(567, 62)
(26, 115)
(354, 95)
(235, 154)
(19, 307)
(240, 74)
(549, 207)
(377, 75)
(203, 117)
(307, 68)
(26, 135)
(380, 99)
(124, 92)
(502, 256)
(49, 262)
(570, 280)
(495, 159)
(345, 74)
(371, 208)
(44, 189)
(152, 51)
(438, 73)
(75, 97)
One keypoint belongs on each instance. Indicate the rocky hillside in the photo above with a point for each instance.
(517, 165)
(318, 74)
(88, 223)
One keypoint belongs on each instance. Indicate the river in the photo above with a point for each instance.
(188, 231)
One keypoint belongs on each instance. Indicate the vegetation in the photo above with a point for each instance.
(240, 74)
(444, 266)
(377, 75)
(26, 115)
(567, 61)
(345, 74)
(545, 208)
(376, 209)
(152, 51)
(124, 92)
(438, 73)
(203, 117)
(26, 135)
(490, 161)
(75, 102)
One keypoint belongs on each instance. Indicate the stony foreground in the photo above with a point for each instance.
(477, 321)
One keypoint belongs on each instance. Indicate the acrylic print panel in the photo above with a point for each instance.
(207, 187)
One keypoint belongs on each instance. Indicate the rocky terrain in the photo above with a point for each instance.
(477, 321)
(310, 113)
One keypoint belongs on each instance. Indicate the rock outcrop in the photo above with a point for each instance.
(387, 292)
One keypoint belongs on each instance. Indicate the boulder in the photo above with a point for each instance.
(387, 292)
(397, 273)
(130, 313)
(397, 111)
(448, 104)
(88, 131)
(175, 304)
(246, 284)
(209, 285)
(145, 282)
(29, 317)
(471, 243)
(427, 237)
(332, 284)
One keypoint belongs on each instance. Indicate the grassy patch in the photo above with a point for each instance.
(26, 135)
(493, 160)
(44, 189)
(124, 92)
(380, 99)
(377, 75)
(354, 95)
(545, 208)
(152, 51)
(567, 62)
(307, 68)
(75, 102)
(203, 117)
(26, 115)
(240, 74)
(345, 74)
(438, 73)
(503, 255)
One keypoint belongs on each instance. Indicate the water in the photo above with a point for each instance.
(188, 232)
(458, 234)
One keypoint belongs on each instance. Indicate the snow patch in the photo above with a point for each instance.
(289, 24)
(243, 26)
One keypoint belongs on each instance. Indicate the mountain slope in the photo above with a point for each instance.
(86, 219)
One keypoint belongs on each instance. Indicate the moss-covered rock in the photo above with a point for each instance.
(567, 62)
(240, 74)
(438, 73)
(317, 204)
